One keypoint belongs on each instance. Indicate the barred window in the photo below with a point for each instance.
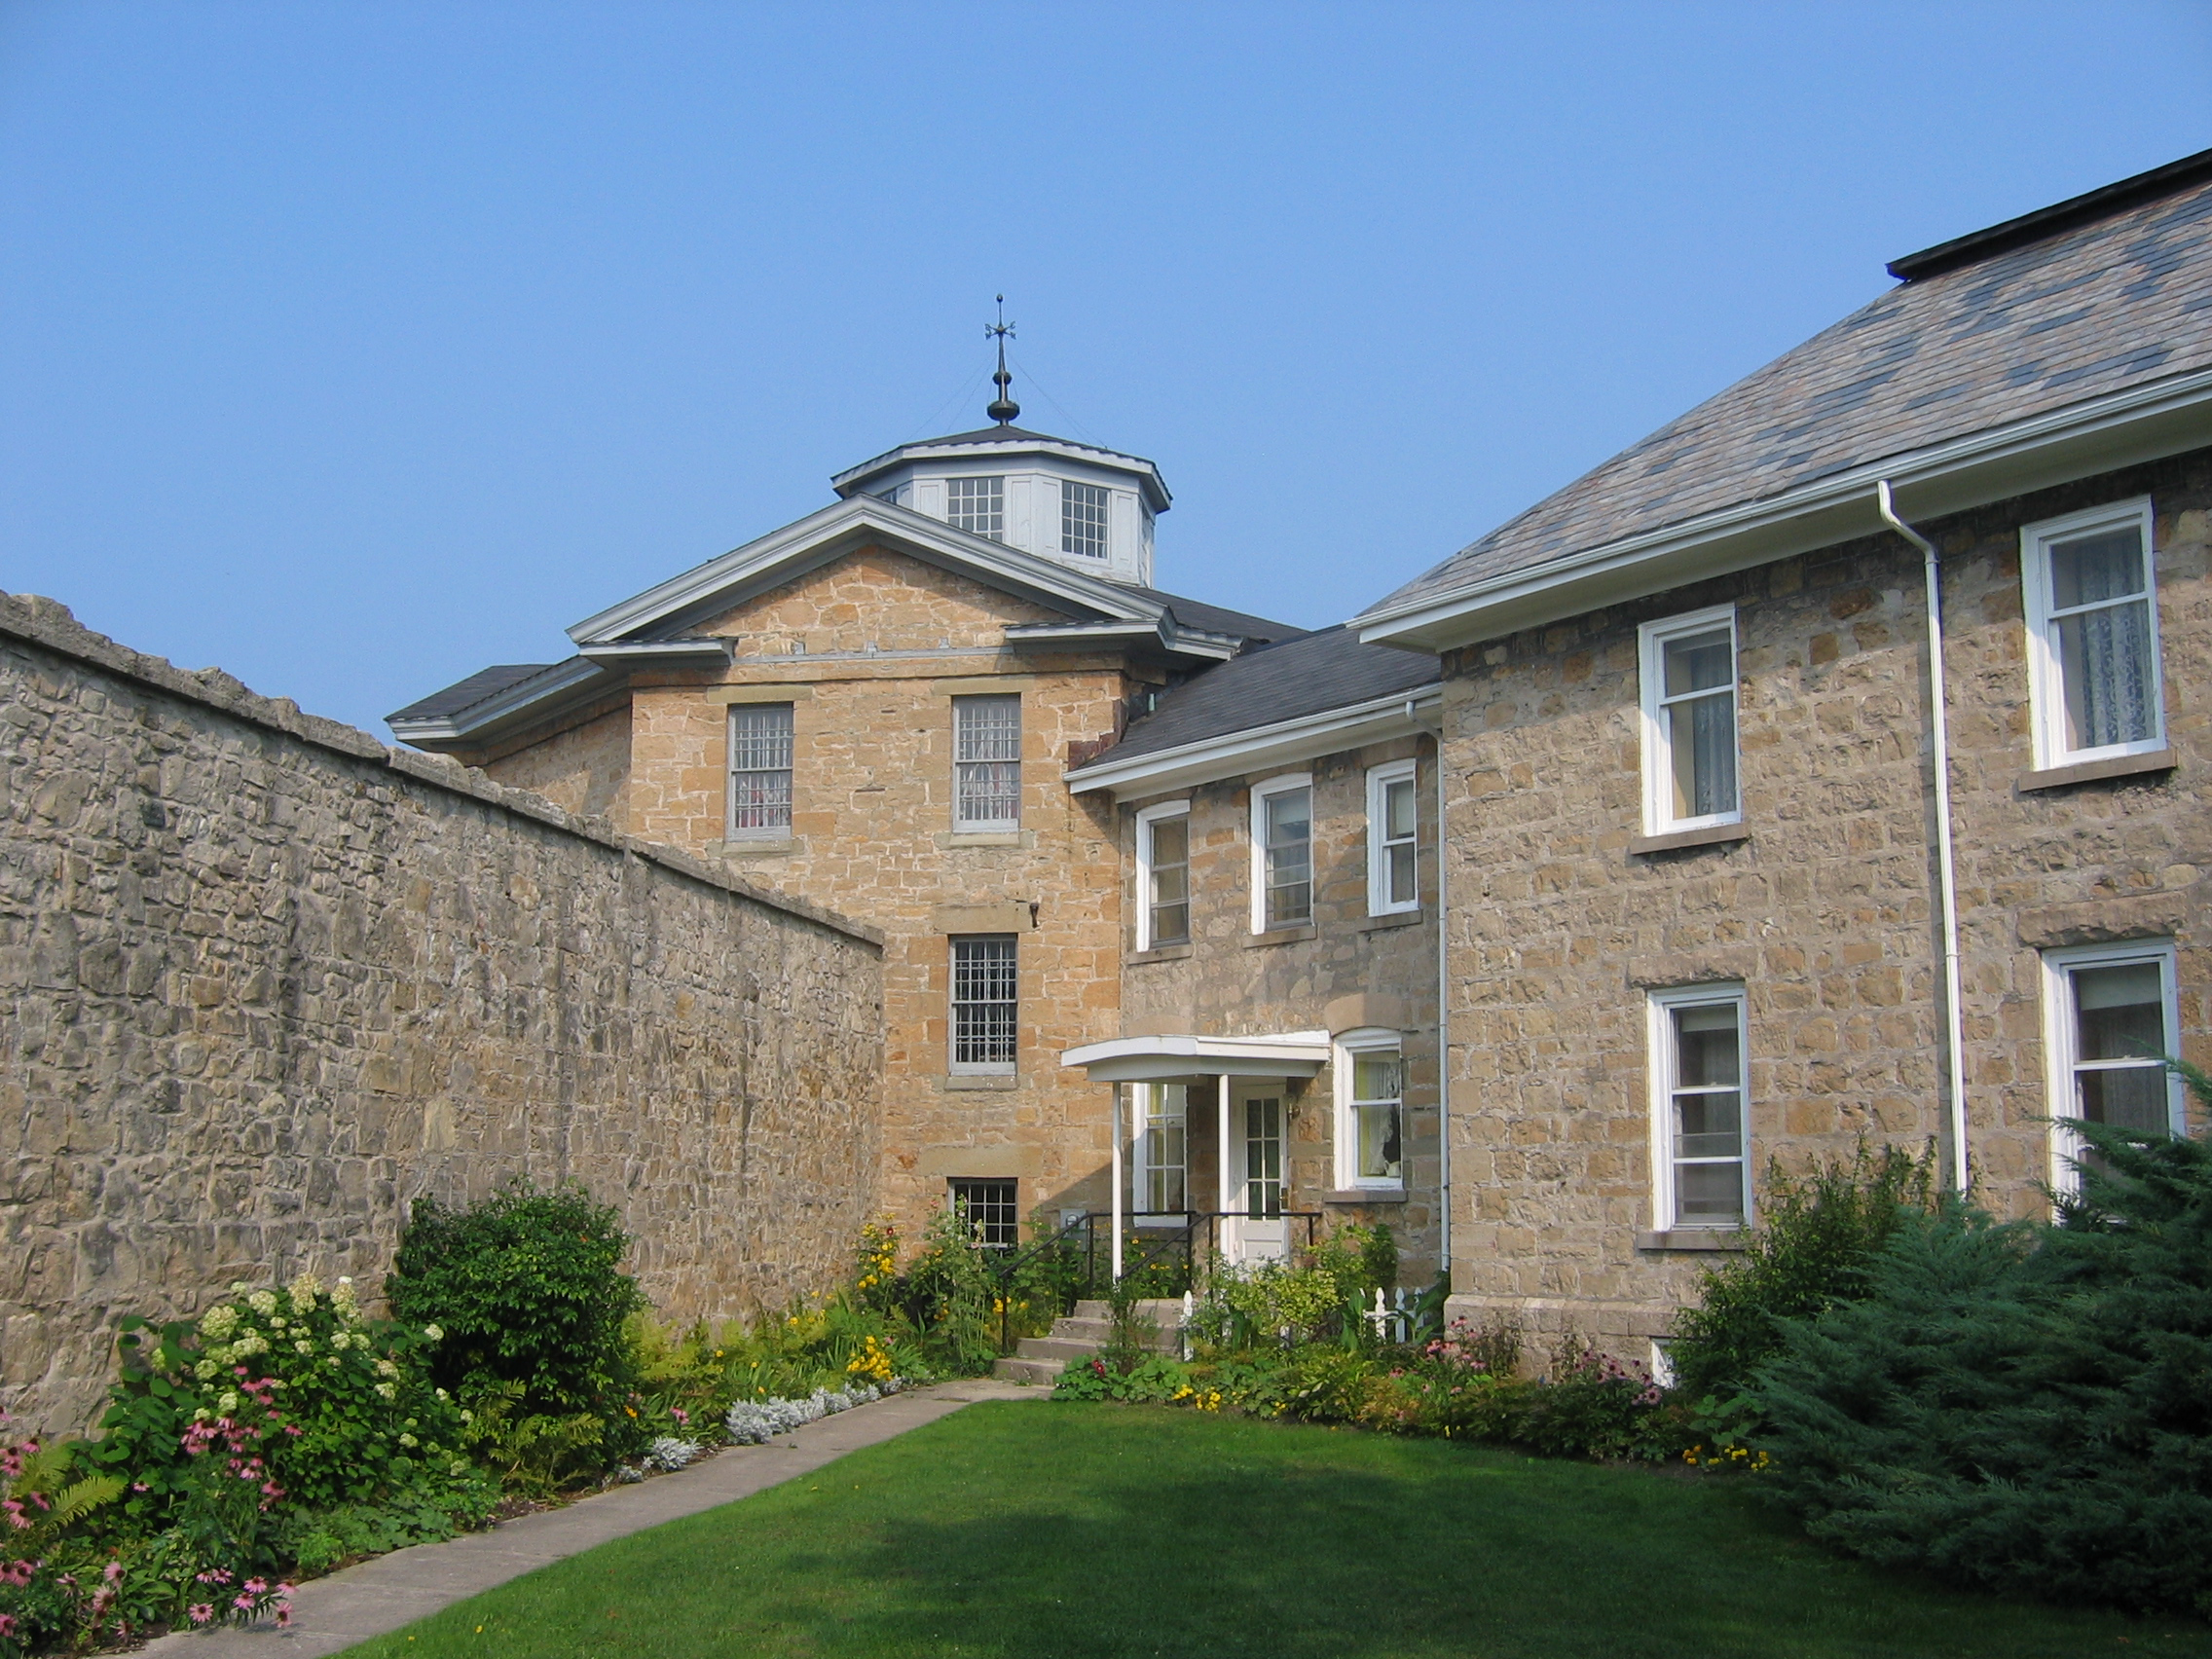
(1082, 520)
(992, 1209)
(760, 770)
(986, 763)
(977, 505)
(984, 1003)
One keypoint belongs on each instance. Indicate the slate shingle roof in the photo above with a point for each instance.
(2086, 311)
(1310, 674)
(481, 686)
(1219, 618)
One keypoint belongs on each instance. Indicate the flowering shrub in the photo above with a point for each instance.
(333, 1408)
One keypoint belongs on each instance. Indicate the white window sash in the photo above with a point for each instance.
(1656, 718)
(988, 1023)
(1664, 1070)
(1380, 902)
(1146, 819)
(1344, 1063)
(752, 788)
(1261, 792)
(2047, 670)
(2061, 1032)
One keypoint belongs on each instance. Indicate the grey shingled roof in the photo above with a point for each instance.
(2090, 310)
(1310, 674)
(484, 684)
(1220, 620)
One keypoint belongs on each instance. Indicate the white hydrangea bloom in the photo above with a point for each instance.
(263, 1303)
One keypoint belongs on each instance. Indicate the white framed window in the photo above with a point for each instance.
(1688, 677)
(1163, 874)
(1282, 852)
(986, 763)
(759, 771)
(1371, 1110)
(2093, 614)
(1082, 519)
(2111, 1016)
(1701, 1151)
(1393, 839)
(1160, 1171)
(984, 1003)
(977, 505)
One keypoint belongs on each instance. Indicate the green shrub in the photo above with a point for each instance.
(1816, 1247)
(526, 1288)
(1157, 1380)
(2022, 1407)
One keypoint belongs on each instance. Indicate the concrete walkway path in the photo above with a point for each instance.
(398, 1589)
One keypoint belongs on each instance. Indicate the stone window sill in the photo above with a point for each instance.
(1366, 1196)
(1395, 919)
(1693, 1239)
(987, 838)
(767, 847)
(2097, 771)
(1158, 953)
(981, 1080)
(1677, 841)
(1278, 935)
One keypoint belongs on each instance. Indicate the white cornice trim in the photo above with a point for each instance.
(1177, 641)
(716, 651)
(849, 481)
(841, 528)
(2121, 430)
(1263, 747)
(524, 697)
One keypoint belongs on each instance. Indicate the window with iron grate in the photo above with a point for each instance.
(984, 1003)
(992, 1209)
(986, 763)
(760, 770)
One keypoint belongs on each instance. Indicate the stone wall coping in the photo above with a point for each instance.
(51, 626)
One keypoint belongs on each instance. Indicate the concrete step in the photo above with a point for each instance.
(1014, 1369)
(1082, 1330)
(1053, 1347)
(1166, 1311)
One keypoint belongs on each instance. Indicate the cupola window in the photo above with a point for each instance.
(977, 505)
(1082, 519)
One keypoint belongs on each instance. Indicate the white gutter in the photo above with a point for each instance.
(1954, 1022)
(2138, 423)
(1281, 741)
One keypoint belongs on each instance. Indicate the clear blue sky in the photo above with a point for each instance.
(353, 347)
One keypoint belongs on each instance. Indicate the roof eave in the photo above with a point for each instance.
(1281, 743)
(845, 527)
(531, 700)
(1160, 635)
(850, 481)
(2099, 435)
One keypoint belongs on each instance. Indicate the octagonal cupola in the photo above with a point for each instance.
(1076, 503)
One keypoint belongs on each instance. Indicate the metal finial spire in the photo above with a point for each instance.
(1003, 407)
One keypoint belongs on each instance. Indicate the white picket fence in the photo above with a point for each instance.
(1391, 1319)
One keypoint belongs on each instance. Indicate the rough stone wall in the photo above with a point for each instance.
(870, 649)
(1825, 913)
(271, 981)
(1347, 972)
(583, 769)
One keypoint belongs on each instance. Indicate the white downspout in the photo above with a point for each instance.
(1954, 1020)
(1221, 1201)
(1443, 1031)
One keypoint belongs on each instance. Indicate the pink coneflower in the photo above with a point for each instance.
(7, 1624)
(200, 1613)
(245, 1603)
(283, 1615)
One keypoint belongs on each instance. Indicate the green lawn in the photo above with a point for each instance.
(1049, 1531)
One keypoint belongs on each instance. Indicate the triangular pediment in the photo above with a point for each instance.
(673, 609)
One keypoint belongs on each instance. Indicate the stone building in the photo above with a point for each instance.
(1823, 768)
(873, 707)
(1717, 894)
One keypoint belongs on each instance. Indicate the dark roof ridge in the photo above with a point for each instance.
(2075, 210)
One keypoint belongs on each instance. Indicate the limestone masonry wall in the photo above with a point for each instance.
(271, 981)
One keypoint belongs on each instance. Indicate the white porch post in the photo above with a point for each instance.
(1116, 1181)
(1223, 1204)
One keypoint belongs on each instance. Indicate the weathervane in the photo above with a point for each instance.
(1003, 408)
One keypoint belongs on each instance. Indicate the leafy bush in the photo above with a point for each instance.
(1155, 1381)
(526, 1287)
(1816, 1247)
(2022, 1407)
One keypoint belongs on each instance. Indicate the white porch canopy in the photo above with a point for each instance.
(1177, 1058)
(1183, 1058)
